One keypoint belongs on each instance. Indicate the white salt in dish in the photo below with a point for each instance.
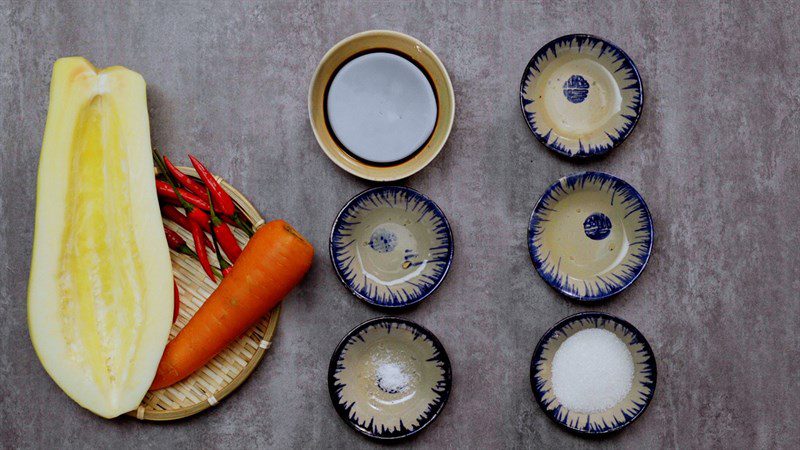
(593, 373)
(392, 375)
(389, 378)
(381, 107)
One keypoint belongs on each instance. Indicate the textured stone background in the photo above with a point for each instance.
(715, 156)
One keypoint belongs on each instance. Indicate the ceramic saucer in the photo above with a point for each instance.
(581, 95)
(590, 235)
(389, 378)
(391, 246)
(618, 416)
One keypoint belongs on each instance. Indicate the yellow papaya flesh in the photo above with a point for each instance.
(100, 289)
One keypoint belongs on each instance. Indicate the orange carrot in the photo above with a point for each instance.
(271, 264)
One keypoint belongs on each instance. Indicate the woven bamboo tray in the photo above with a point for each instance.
(229, 369)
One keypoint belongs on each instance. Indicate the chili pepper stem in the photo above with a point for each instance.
(243, 225)
(187, 251)
(162, 168)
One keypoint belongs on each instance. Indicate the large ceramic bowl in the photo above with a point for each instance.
(390, 42)
(590, 235)
(581, 95)
(621, 414)
(391, 246)
(389, 378)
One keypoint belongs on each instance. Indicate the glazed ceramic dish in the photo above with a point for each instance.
(391, 246)
(581, 95)
(389, 378)
(590, 235)
(424, 146)
(621, 414)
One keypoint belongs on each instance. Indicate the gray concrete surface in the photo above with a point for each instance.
(715, 156)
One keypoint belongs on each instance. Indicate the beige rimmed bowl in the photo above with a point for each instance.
(413, 50)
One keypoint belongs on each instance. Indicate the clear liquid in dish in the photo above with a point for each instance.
(381, 107)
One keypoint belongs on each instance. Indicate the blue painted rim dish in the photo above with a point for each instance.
(559, 415)
(543, 136)
(339, 265)
(334, 389)
(556, 279)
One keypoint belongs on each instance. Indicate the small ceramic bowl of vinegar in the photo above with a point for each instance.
(391, 246)
(389, 378)
(581, 95)
(381, 105)
(590, 235)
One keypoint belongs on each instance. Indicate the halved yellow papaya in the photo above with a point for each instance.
(100, 289)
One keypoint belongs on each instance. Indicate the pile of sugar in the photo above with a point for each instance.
(592, 371)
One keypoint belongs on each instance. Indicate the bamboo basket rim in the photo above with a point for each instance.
(144, 413)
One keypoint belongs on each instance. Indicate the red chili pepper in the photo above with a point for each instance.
(166, 191)
(200, 246)
(229, 220)
(176, 298)
(227, 241)
(168, 201)
(193, 213)
(174, 240)
(177, 243)
(222, 200)
(185, 180)
(226, 271)
(224, 235)
(197, 217)
(201, 218)
(172, 213)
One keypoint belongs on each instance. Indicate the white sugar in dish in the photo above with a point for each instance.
(592, 371)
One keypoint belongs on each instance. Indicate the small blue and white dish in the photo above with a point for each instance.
(389, 378)
(590, 235)
(581, 95)
(391, 246)
(621, 414)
